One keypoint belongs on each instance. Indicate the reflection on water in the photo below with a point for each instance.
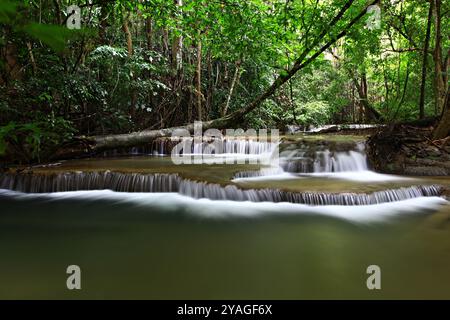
(167, 246)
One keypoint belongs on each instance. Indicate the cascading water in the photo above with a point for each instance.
(133, 182)
(295, 160)
(74, 181)
(306, 159)
(164, 146)
(313, 158)
(231, 192)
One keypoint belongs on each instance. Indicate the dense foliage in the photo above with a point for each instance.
(144, 64)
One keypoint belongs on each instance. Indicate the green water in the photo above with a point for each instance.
(172, 250)
(132, 251)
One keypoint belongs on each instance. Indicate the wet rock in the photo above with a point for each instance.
(425, 171)
(403, 149)
(433, 151)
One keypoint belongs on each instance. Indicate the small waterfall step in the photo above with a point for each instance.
(319, 157)
(160, 182)
(164, 146)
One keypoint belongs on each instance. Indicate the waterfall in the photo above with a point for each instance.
(231, 192)
(305, 159)
(232, 146)
(311, 157)
(159, 182)
(164, 146)
(73, 181)
(308, 158)
(259, 173)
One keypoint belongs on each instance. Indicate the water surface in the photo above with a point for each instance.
(171, 246)
(176, 248)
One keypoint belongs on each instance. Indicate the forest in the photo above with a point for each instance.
(137, 66)
(224, 149)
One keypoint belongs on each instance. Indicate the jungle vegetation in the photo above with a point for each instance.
(151, 64)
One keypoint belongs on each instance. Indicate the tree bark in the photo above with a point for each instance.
(59, 19)
(31, 55)
(198, 80)
(442, 130)
(209, 94)
(369, 111)
(441, 80)
(177, 63)
(424, 63)
(165, 43)
(440, 86)
(236, 76)
(149, 33)
(128, 37)
(177, 46)
(103, 22)
(12, 69)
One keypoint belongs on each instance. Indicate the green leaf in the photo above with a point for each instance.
(52, 35)
(7, 10)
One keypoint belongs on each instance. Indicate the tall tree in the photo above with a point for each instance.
(424, 63)
(441, 79)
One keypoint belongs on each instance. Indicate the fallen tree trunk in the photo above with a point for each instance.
(89, 145)
(84, 146)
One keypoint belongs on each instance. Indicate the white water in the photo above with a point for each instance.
(349, 165)
(360, 176)
(225, 147)
(158, 182)
(346, 165)
(302, 160)
(175, 203)
(291, 129)
(234, 151)
(267, 174)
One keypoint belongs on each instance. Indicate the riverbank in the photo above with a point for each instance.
(409, 150)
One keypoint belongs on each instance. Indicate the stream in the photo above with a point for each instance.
(306, 226)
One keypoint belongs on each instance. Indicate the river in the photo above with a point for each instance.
(306, 229)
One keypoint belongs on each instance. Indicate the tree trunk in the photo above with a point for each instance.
(191, 98)
(177, 63)
(149, 33)
(424, 63)
(59, 19)
(443, 128)
(440, 86)
(177, 46)
(441, 80)
(12, 69)
(103, 22)
(236, 76)
(165, 43)
(198, 80)
(177, 57)
(209, 94)
(369, 111)
(31, 55)
(128, 37)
